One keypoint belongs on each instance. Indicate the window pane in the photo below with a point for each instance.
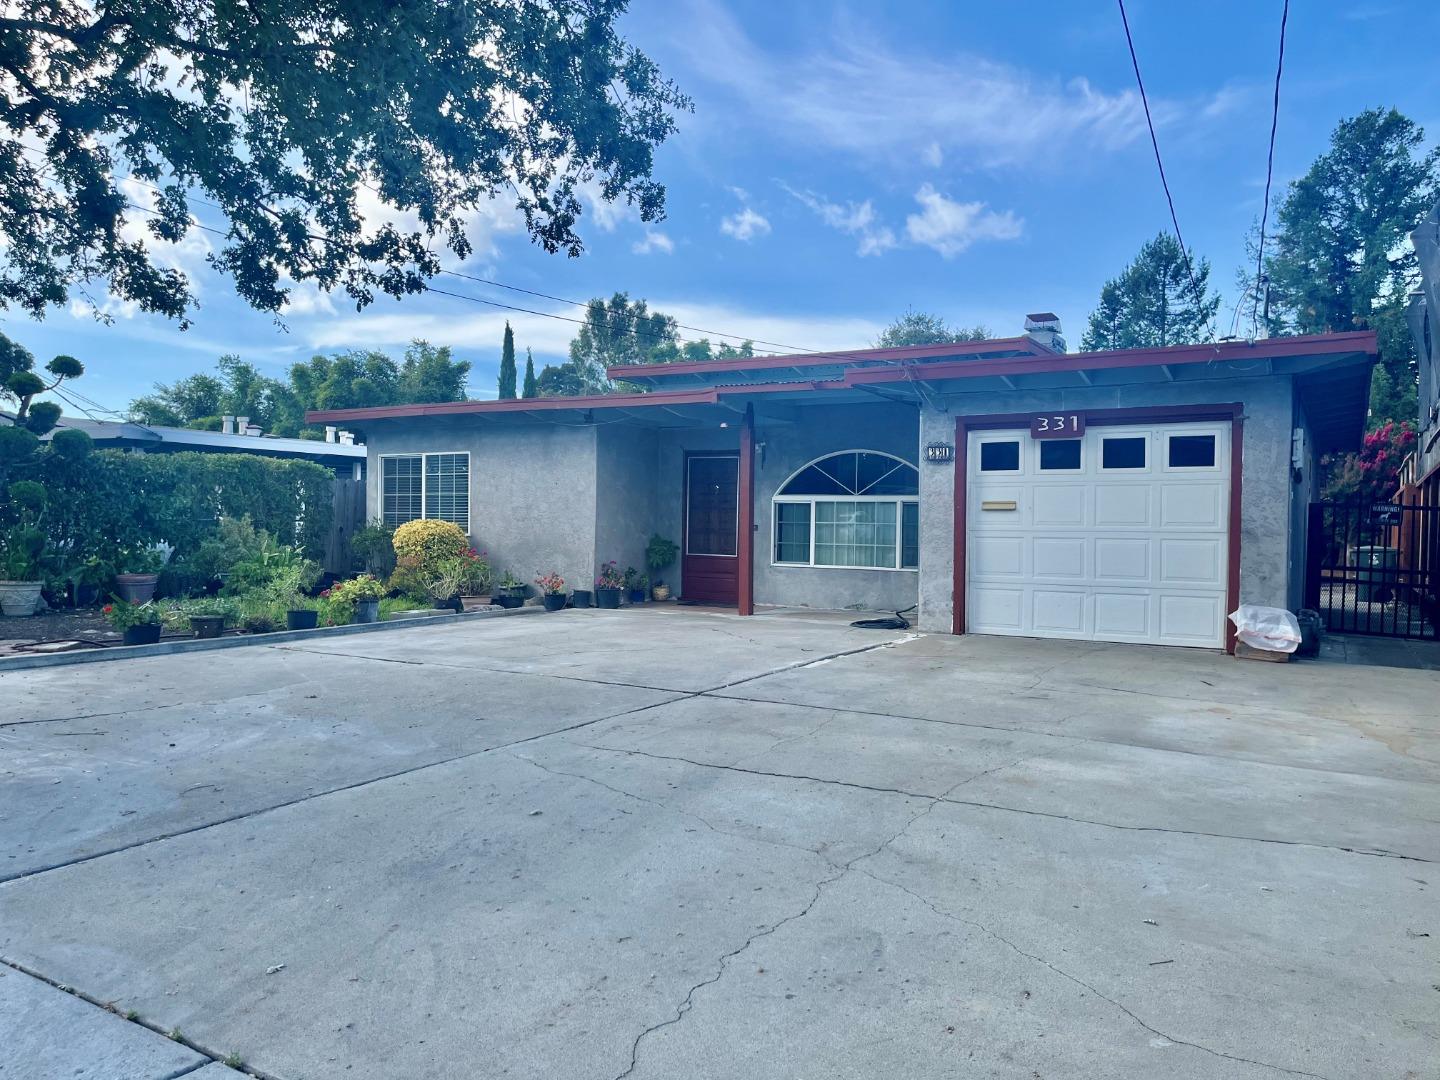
(447, 488)
(1127, 452)
(881, 475)
(855, 472)
(858, 534)
(999, 456)
(792, 532)
(400, 489)
(1192, 451)
(910, 535)
(815, 480)
(711, 513)
(1059, 454)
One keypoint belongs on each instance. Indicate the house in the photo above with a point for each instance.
(1003, 486)
(344, 457)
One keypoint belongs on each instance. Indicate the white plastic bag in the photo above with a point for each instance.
(1269, 628)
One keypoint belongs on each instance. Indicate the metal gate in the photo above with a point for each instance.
(1374, 568)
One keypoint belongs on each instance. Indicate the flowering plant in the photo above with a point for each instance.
(356, 589)
(509, 582)
(551, 584)
(122, 615)
(610, 577)
(478, 574)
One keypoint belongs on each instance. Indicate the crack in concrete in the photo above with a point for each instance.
(1082, 983)
(1379, 853)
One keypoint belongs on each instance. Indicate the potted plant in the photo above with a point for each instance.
(608, 586)
(139, 624)
(475, 589)
(301, 613)
(510, 593)
(206, 615)
(581, 597)
(444, 582)
(636, 585)
(140, 571)
(21, 558)
(87, 579)
(552, 590)
(358, 598)
(660, 553)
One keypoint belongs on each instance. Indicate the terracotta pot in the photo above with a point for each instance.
(19, 597)
(136, 588)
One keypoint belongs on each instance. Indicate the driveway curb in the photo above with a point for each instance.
(167, 648)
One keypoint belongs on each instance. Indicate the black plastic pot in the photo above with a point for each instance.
(207, 626)
(607, 598)
(453, 604)
(87, 595)
(580, 598)
(301, 620)
(637, 596)
(367, 611)
(144, 634)
(553, 601)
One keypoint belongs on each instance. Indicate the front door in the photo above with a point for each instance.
(711, 571)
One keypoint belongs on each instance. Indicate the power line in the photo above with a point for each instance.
(1269, 172)
(1160, 164)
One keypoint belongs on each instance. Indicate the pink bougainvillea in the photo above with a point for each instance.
(1373, 473)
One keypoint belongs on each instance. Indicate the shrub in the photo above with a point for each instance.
(122, 615)
(659, 554)
(428, 542)
(372, 547)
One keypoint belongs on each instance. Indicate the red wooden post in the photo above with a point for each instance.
(745, 548)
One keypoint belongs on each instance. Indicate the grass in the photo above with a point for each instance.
(235, 1061)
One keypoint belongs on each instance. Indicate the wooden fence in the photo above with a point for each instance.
(348, 502)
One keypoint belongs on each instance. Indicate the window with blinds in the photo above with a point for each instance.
(425, 486)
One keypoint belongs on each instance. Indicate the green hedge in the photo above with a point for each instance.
(113, 499)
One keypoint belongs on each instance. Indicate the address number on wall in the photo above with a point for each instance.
(939, 452)
(1057, 426)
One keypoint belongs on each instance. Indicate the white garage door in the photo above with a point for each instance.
(1119, 535)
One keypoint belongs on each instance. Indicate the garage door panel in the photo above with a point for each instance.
(1122, 559)
(1191, 562)
(1121, 505)
(1134, 554)
(1059, 557)
(1058, 505)
(1059, 612)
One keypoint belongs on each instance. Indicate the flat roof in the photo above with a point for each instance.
(192, 438)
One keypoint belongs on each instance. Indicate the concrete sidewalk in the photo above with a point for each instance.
(661, 844)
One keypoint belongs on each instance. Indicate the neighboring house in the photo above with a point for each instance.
(345, 458)
(1424, 316)
(1004, 486)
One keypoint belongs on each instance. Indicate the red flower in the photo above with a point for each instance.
(107, 609)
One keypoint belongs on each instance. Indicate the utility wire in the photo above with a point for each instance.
(1160, 164)
(1269, 173)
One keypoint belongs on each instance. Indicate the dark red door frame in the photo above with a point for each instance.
(732, 573)
(1233, 413)
(745, 524)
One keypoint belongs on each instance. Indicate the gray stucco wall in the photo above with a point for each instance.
(627, 464)
(532, 488)
(1266, 497)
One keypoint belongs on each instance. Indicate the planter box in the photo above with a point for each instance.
(18, 598)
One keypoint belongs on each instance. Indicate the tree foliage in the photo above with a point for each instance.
(1373, 474)
(507, 364)
(347, 380)
(1153, 303)
(923, 328)
(282, 114)
(532, 387)
(1342, 259)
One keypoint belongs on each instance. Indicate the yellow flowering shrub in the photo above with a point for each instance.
(425, 543)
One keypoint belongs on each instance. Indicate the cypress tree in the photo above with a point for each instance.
(507, 365)
(532, 388)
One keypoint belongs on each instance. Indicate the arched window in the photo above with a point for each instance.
(858, 508)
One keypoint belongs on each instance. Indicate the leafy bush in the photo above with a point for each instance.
(372, 547)
(122, 615)
(659, 554)
(429, 541)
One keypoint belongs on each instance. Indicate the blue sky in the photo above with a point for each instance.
(845, 161)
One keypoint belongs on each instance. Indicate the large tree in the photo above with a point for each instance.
(1342, 259)
(923, 328)
(429, 373)
(507, 364)
(1154, 302)
(532, 386)
(281, 115)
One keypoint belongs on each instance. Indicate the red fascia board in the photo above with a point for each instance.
(1359, 341)
(838, 358)
(700, 396)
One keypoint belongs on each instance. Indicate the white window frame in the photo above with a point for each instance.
(424, 472)
(898, 501)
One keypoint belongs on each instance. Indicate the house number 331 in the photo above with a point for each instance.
(1057, 425)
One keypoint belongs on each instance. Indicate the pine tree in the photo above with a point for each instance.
(1154, 302)
(532, 388)
(507, 365)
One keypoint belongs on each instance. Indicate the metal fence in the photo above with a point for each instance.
(1374, 568)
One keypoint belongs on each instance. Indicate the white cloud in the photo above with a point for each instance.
(653, 242)
(857, 219)
(950, 227)
(853, 92)
(813, 331)
(745, 224)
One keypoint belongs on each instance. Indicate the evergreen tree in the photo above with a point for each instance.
(532, 387)
(1154, 303)
(507, 364)
(923, 328)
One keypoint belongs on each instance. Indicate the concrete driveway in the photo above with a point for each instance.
(663, 844)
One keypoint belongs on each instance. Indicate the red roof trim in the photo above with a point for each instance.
(830, 359)
(1040, 362)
